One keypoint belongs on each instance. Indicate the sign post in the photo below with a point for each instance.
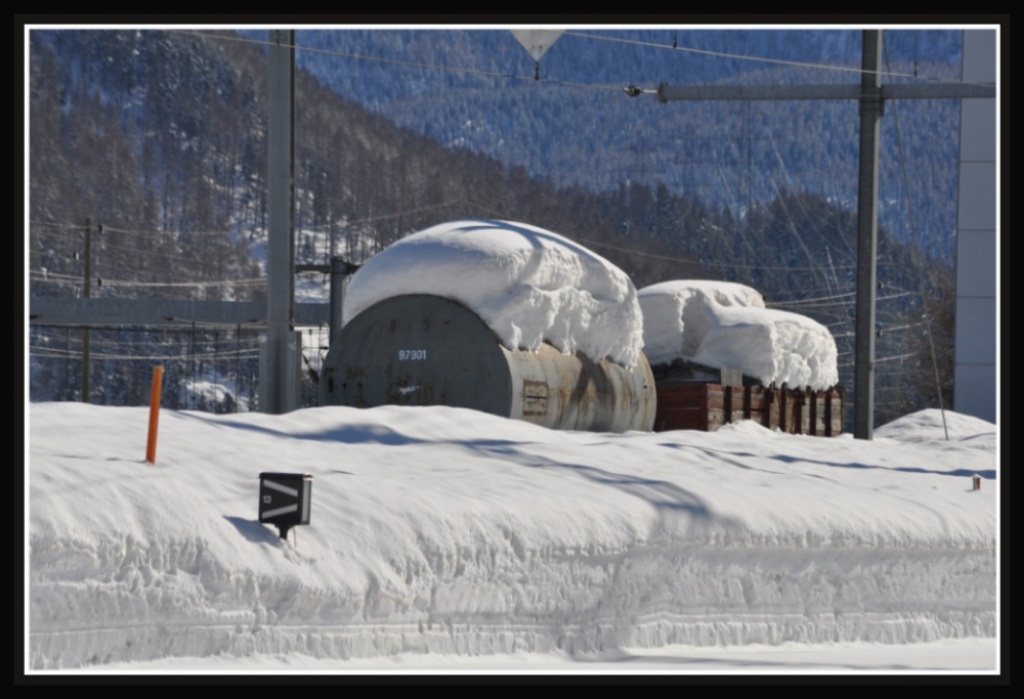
(154, 413)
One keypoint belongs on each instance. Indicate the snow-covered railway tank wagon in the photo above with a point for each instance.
(421, 349)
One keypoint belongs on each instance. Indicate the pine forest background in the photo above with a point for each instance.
(157, 139)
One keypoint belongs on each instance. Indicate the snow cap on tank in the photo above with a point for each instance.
(528, 284)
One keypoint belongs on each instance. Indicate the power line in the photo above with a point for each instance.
(884, 359)
(668, 258)
(55, 353)
(138, 231)
(57, 225)
(149, 254)
(794, 302)
(194, 234)
(103, 336)
(411, 64)
(533, 78)
(894, 358)
(68, 279)
(191, 261)
(761, 59)
(903, 163)
(844, 303)
(908, 291)
(383, 217)
(255, 281)
(298, 230)
(55, 277)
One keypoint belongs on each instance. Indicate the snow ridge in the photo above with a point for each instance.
(444, 530)
(466, 600)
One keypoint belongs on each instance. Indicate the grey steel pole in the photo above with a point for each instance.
(340, 269)
(86, 293)
(276, 396)
(867, 234)
(872, 95)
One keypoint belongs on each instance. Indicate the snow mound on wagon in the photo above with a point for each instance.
(726, 325)
(528, 284)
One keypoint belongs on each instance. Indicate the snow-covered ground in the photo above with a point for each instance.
(445, 540)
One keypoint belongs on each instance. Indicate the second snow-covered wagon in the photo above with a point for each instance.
(497, 316)
(719, 355)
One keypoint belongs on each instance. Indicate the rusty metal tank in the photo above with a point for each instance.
(426, 350)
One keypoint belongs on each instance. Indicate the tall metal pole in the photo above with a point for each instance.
(278, 382)
(340, 270)
(867, 234)
(871, 94)
(86, 293)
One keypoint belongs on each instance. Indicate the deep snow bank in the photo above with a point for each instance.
(726, 325)
(528, 284)
(428, 534)
(936, 426)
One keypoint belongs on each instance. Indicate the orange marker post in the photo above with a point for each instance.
(154, 413)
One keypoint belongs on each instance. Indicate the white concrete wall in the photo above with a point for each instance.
(975, 384)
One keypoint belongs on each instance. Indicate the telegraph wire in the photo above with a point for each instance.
(491, 74)
(71, 279)
(777, 61)
(72, 354)
(411, 64)
(136, 231)
(903, 161)
(382, 217)
(668, 258)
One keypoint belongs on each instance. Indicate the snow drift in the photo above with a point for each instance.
(445, 530)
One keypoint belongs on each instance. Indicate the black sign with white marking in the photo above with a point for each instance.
(285, 499)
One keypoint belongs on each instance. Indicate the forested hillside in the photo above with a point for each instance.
(160, 138)
(476, 90)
